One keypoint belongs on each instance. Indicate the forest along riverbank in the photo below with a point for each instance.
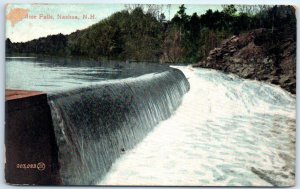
(261, 54)
(243, 135)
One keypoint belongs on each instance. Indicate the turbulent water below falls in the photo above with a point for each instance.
(227, 132)
(94, 125)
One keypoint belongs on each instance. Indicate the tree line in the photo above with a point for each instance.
(139, 35)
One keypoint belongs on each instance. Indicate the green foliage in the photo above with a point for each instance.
(50, 45)
(229, 10)
(123, 35)
(146, 35)
(200, 34)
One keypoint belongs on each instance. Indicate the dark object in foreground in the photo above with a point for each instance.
(30, 147)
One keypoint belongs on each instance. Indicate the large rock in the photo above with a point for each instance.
(251, 55)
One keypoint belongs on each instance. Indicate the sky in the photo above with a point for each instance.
(27, 29)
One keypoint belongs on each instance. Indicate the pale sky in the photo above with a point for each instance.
(28, 29)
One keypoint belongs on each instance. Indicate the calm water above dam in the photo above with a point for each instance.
(55, 74)
(148, 125)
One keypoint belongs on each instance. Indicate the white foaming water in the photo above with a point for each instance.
(227, 132)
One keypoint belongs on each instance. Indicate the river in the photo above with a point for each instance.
(146, 125)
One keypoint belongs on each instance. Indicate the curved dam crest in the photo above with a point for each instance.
(95, 125)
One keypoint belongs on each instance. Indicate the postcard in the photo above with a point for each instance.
(150, 95)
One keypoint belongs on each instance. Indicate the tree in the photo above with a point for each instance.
(162, 17)
(229, 10)
(252, 10)
(154, 9)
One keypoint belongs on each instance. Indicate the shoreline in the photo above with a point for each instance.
(250, 56)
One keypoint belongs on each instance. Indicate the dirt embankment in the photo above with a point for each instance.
(260, 54)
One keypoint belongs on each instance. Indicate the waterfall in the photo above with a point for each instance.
(228, 131)
(95, 125)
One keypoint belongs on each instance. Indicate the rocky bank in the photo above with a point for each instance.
(261, 54)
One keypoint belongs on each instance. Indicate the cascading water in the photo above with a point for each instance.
(228, 131)
(95, 125)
